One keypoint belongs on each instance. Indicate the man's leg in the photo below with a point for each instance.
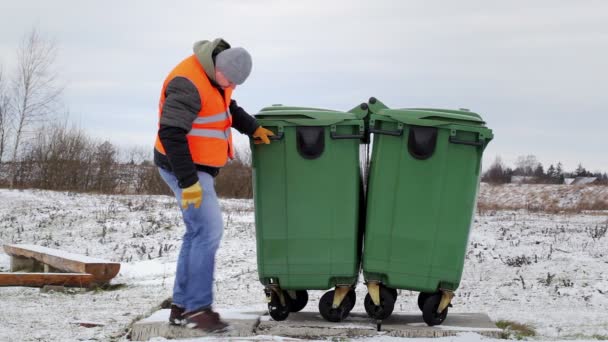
(196, 263)
(180, 276)
(207, 227)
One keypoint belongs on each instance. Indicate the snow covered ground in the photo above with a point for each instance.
(547, 271)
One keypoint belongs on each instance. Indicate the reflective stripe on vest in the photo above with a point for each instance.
(209, 119)
(210, 133)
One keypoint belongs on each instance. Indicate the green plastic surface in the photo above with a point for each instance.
(419, 211)
(307, 210)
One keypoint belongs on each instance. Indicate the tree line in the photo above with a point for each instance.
(64, 158)
(532, 171)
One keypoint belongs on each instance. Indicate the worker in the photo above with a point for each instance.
(194, 140)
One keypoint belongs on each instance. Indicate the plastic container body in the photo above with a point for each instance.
(307, 192)
(422, 192)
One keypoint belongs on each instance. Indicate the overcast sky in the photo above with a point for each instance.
(537, 71)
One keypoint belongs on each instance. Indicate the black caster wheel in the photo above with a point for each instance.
(429, 310)
(385, 309)
(331, 314)
(352, 299)
(277, 311)
(299, 302)
(393, 292)
(422, 297)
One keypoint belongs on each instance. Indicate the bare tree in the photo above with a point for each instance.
(131, 160)
(4, 115)
(36, 90)
(134, 154)
(55, 158)
(105, 160)
(525, 165)
(498, 173)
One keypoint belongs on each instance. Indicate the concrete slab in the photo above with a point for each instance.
(312, 325)
(309, 324)
(243, 323)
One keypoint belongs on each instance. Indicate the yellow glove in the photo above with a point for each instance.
(192, 195)
(261, 135)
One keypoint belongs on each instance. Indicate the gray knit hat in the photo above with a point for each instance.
(234, 63)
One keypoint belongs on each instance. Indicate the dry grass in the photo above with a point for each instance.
(515, 330)
(543, 198)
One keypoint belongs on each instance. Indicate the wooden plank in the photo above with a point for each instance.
(101, 270)
(26, 248)
(41, 279)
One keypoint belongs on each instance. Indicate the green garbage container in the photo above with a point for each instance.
(422, 190)
(307, 190)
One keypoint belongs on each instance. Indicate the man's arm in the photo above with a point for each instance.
(241, 120)
(181, 107)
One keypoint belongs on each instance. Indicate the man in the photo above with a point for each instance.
(194, 141)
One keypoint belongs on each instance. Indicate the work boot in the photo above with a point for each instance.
(177, 315)
(206, 320)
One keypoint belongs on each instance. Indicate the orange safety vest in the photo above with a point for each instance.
(210, 139)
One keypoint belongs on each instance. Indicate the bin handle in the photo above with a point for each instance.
(465, 142)
(277, 136)
(334, 135)
(396, 133)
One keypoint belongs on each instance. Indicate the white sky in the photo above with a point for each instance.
(536, 71)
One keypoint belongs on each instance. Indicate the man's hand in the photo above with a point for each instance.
(192, 195)
(261, 135)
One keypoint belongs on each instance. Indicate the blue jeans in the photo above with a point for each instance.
(193, 288)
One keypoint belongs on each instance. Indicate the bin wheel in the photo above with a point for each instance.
(277, 311)
(422, 297)
(393, 292)
(300, 301)
(429, 310)
(352, 296)
(385, 309)
(331, 314)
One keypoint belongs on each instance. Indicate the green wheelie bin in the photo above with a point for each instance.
(307, 191)
(421, 196)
